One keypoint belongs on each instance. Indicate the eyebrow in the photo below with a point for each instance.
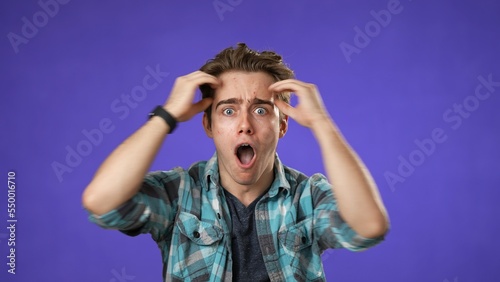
(255, 101)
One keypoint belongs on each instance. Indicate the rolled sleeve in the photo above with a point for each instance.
(130, 217)
(151, 210)
(329, 226)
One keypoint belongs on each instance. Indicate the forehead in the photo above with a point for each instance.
(244, 85)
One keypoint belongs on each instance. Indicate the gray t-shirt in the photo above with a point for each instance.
(248, 264)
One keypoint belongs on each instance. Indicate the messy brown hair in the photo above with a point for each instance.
(242, 58)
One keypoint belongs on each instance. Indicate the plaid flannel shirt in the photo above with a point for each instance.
(185, 212)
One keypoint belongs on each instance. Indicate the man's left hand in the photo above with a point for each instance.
(309, 109)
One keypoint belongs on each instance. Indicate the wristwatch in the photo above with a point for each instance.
(166, 116)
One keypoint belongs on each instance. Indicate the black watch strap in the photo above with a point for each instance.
(166, 116)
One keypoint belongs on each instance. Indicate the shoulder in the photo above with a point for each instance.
(175, 176)
(298, 179)
(197, 170)
(313, 190)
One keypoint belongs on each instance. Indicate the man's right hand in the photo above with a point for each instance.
(180, 104)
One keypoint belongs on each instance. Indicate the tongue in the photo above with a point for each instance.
(245, 154)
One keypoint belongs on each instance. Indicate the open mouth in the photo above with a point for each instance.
(245, 153)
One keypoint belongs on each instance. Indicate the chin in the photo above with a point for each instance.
(250, 180)
(245, 181)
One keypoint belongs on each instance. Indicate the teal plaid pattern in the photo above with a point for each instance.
(185, 212)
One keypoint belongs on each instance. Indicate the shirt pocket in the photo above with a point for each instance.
(299, 244)
(196, 249)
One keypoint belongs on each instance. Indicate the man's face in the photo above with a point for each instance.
(245, 128)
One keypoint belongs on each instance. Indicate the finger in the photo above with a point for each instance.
(288, 85)
(286, 108)
(204, 78)
(202, 105)
(195, 109)
(198, 78)
(293, 83)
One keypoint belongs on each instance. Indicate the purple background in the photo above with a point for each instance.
(395, 90)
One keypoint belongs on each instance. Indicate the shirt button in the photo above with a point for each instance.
(196, 234)
(303, 239)
(218, 215)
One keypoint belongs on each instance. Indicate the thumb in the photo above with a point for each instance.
(202, 105)
(286, 108)
(194, 109)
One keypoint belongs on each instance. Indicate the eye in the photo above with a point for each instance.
(228, 112)
(260, 111)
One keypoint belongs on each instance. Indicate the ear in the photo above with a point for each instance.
(207, 126)
(283, 125)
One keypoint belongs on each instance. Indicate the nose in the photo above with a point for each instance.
(245, 126)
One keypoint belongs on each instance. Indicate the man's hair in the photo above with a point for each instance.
(242, 58)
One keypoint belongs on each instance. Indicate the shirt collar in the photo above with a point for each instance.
(211, 172)
(211, 175)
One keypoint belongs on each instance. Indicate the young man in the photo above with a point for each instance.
(242, 215)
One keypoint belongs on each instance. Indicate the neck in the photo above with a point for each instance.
(246, 194)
